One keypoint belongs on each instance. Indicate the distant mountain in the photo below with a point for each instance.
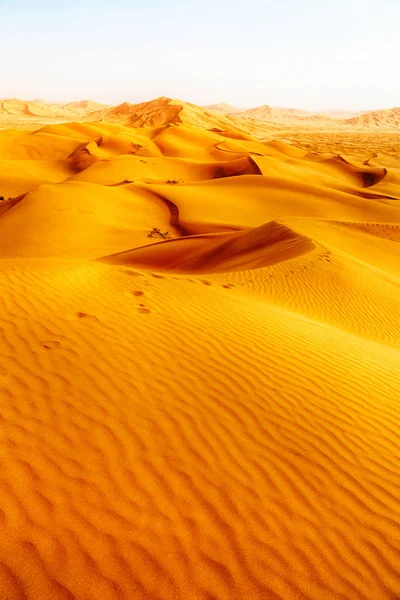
(13, 106)
(225, 109)
(34, 109)
(167, 111)
(277, 112)
(377, 118)
(259, 112)
(84, 107)
(280, 115)
(338, 114)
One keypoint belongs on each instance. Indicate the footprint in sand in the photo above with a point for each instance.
(83, 315)
(138, 293)
(51, 344)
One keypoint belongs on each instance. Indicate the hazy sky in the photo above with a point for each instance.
(315, 54)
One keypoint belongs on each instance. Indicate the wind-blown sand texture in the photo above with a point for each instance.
(211, 417)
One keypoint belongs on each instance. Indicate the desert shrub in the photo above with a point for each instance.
(155, 232)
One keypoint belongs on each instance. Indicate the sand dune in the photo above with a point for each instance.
(219, 252)
(212, 416)
(166, 111)
(260, 121)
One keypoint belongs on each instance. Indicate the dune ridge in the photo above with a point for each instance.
(261, 121)
(216, 415)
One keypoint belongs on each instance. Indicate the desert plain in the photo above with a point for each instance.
(200, 353)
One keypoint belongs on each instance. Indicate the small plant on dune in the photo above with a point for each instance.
(155, 232)
(2, 198)
(172, 181)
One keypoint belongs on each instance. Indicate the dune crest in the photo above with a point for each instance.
(219, 252)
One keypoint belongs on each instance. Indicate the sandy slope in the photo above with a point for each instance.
(215, 416)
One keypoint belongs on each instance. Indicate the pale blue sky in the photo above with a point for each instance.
(315, 54)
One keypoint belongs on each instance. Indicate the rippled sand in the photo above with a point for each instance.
(210, 417)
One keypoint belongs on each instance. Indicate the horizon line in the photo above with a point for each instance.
(239, 108)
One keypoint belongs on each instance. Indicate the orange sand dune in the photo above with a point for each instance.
(160, 169)
(164, 111)
(221, 252)
(216, 415)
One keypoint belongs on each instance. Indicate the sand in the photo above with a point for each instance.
(211, 417)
